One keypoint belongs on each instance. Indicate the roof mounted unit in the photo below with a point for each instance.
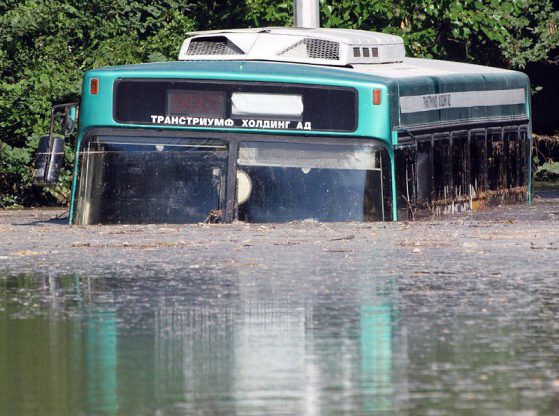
(338, 47)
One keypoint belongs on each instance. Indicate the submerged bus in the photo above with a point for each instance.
(291, 124)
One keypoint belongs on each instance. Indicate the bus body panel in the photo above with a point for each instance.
(479, 97)
(374, 121)
(433, 102)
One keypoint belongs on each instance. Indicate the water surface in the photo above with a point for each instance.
(454, 316)
(242, 341)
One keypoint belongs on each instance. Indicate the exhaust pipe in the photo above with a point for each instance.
(307, 13)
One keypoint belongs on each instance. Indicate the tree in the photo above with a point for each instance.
(47, 45)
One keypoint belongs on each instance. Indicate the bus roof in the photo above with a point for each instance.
(253, 70)
(409, 68)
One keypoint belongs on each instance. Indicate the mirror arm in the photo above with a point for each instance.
(66, 108)
(49, 159)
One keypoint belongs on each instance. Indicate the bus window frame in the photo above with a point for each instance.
(233, 140)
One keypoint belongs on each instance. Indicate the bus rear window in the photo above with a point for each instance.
(210, 104)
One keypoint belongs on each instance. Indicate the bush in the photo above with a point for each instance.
(46, 45)
(548, 172)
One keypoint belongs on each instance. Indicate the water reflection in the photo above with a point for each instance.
(100, 363)
(255, 354)
(246, 345)
(376, 357)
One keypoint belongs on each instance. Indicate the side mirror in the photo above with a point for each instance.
(50, 154)
(48, 163)
(68, 118)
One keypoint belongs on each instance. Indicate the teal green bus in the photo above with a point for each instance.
(277, 125)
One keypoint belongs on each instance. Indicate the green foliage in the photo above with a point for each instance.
(548, 172)
(507, 33)
(46, 45)
(269, 13)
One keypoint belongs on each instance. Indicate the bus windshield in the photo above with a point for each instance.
(150, 181)
(309, 182)
(190, 180)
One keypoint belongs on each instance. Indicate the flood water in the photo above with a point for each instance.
(452, 316)
(209, 342)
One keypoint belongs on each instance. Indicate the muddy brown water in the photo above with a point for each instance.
(454, 315)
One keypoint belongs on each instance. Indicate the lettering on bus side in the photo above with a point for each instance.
(220, 122)
(434, 102)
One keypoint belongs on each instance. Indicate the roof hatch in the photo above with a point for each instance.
(339, 47)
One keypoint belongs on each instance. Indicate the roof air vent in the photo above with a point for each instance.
(312, 48)
(218, 45)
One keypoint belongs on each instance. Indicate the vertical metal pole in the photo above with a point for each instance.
(468, 166)
(307, 13)
(231, 184)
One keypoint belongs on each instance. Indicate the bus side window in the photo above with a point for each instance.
(478, 164)
(424, 174)
(512, 143)
(496, 159)
(442, 172)
(386, 168)
(404, 181)
(414, 177)
(524, 153)
(460, 164)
